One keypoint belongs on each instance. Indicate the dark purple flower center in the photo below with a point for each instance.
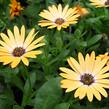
(59, 21)
(87, 79)
(18, 51)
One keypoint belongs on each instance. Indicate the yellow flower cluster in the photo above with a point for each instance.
(88, 77)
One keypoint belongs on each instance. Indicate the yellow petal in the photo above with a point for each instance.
(11, 37)
(100, 90)
(71, 74)
(92, 61)
(45, 23)
(74, 65)
(79, 90)
(87, 63)
(22, 33)
(29, 38)
(103, 81)
(15, 62)
(31, 47)
(60, 10)
(25, 61)
(38, 40)
(47, 15)
(103, 70)
(6, 59)
(6, 40)
(101, 76)
(3, 49)
(83, 92)
(89, 94)
(70, 85)
(104, 85)
(32, 54)
(95, 93)
(59, 28)
(17, 35)
(81, 61)
(54, 12)
(65, 10)
(99, 65)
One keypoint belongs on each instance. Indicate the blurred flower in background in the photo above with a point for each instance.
(102, 56)
(88, 77)
(58, 17)
(82, 11)
(100, 3)
(17, 47)
(15, 8)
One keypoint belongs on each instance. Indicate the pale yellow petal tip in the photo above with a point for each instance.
(80, 54)
(1, 34)
(61, 68)
(68, 59)
(59, 5)
(42, 38)
(15, 27)
(27, 64)
(13, 66)
(93, 52)
(68, 90)
(23, 27)
(90, 100)
(61, 74)
(75, 95)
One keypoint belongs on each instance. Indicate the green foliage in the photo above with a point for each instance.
(38, 85)
(48, 95)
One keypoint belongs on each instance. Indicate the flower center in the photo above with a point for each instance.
(16, 9)
(87, 79)
(18, 51)
(107, 2)
(59, 21)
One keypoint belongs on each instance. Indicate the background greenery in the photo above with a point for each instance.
(38, 86)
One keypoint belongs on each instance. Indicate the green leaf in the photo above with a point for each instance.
(48, 95)
(17, 107)
(6, 99)
(27, 92)
(11, 76)
(94, 40)
(77, 33)
(62, 106)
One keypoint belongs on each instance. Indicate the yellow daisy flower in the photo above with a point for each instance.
(88, 77)
(17, 47)
(82, 11)
(15, 8)
(100, 3)
(58, 17)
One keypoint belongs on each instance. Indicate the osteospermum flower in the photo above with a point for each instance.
(15, 8)
(82, 11)
(100, 3)
(16, 47)
(88, 77)
(58, 17)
